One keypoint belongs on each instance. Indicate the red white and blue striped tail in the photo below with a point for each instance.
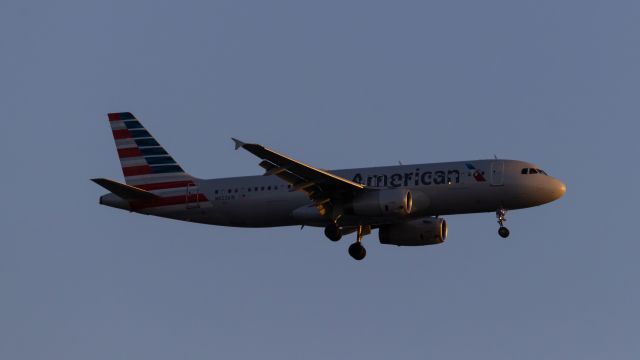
(145, 163)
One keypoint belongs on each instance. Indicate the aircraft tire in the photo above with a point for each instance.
(357, 251)
(333, 233)
(503, 232)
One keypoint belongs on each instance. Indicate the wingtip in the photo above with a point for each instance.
(238, 144)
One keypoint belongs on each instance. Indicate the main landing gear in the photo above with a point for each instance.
(356, 250)
(334, 232)
(501, 214)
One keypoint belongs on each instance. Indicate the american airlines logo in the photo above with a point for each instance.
(477, 174)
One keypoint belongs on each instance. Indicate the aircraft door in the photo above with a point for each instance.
(192, 196)
(497, 173)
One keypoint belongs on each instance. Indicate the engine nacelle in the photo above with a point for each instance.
(426, 231)
(393, 202)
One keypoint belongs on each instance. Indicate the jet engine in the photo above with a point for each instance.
(393, 202)
(426, 231)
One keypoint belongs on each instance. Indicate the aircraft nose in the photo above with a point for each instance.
(558, 189)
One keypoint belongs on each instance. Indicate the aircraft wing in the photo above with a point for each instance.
(320, 185)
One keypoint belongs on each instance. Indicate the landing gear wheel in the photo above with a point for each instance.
(333, 232)
(504, 232)
(357, 251)
(501, 214)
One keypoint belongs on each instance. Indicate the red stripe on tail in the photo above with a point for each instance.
(121, 134)
(137, 170)
(129, 152)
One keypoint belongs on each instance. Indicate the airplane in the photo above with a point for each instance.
(404, 202)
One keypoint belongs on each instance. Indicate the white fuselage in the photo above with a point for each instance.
(437, 189)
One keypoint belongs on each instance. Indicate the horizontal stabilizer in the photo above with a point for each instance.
(127, 192)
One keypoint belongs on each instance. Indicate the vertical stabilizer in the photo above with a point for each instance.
(145, 163)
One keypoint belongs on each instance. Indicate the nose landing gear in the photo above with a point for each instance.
(503, 231)
(501, 214)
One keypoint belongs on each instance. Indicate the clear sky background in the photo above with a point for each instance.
(336, 84)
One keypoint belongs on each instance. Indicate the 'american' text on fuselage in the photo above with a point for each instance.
(415, 178)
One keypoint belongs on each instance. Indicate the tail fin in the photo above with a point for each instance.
(145, 163)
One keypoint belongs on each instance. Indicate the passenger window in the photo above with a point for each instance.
(216, 192)
(268, 187)
(525, 171)
(262, 188)
(275, 188)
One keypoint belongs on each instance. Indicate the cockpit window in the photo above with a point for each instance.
(533, 171)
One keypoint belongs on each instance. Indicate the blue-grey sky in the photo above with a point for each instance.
(337, 84)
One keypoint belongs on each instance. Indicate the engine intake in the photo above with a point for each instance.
(426, 231)
(394, 202)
